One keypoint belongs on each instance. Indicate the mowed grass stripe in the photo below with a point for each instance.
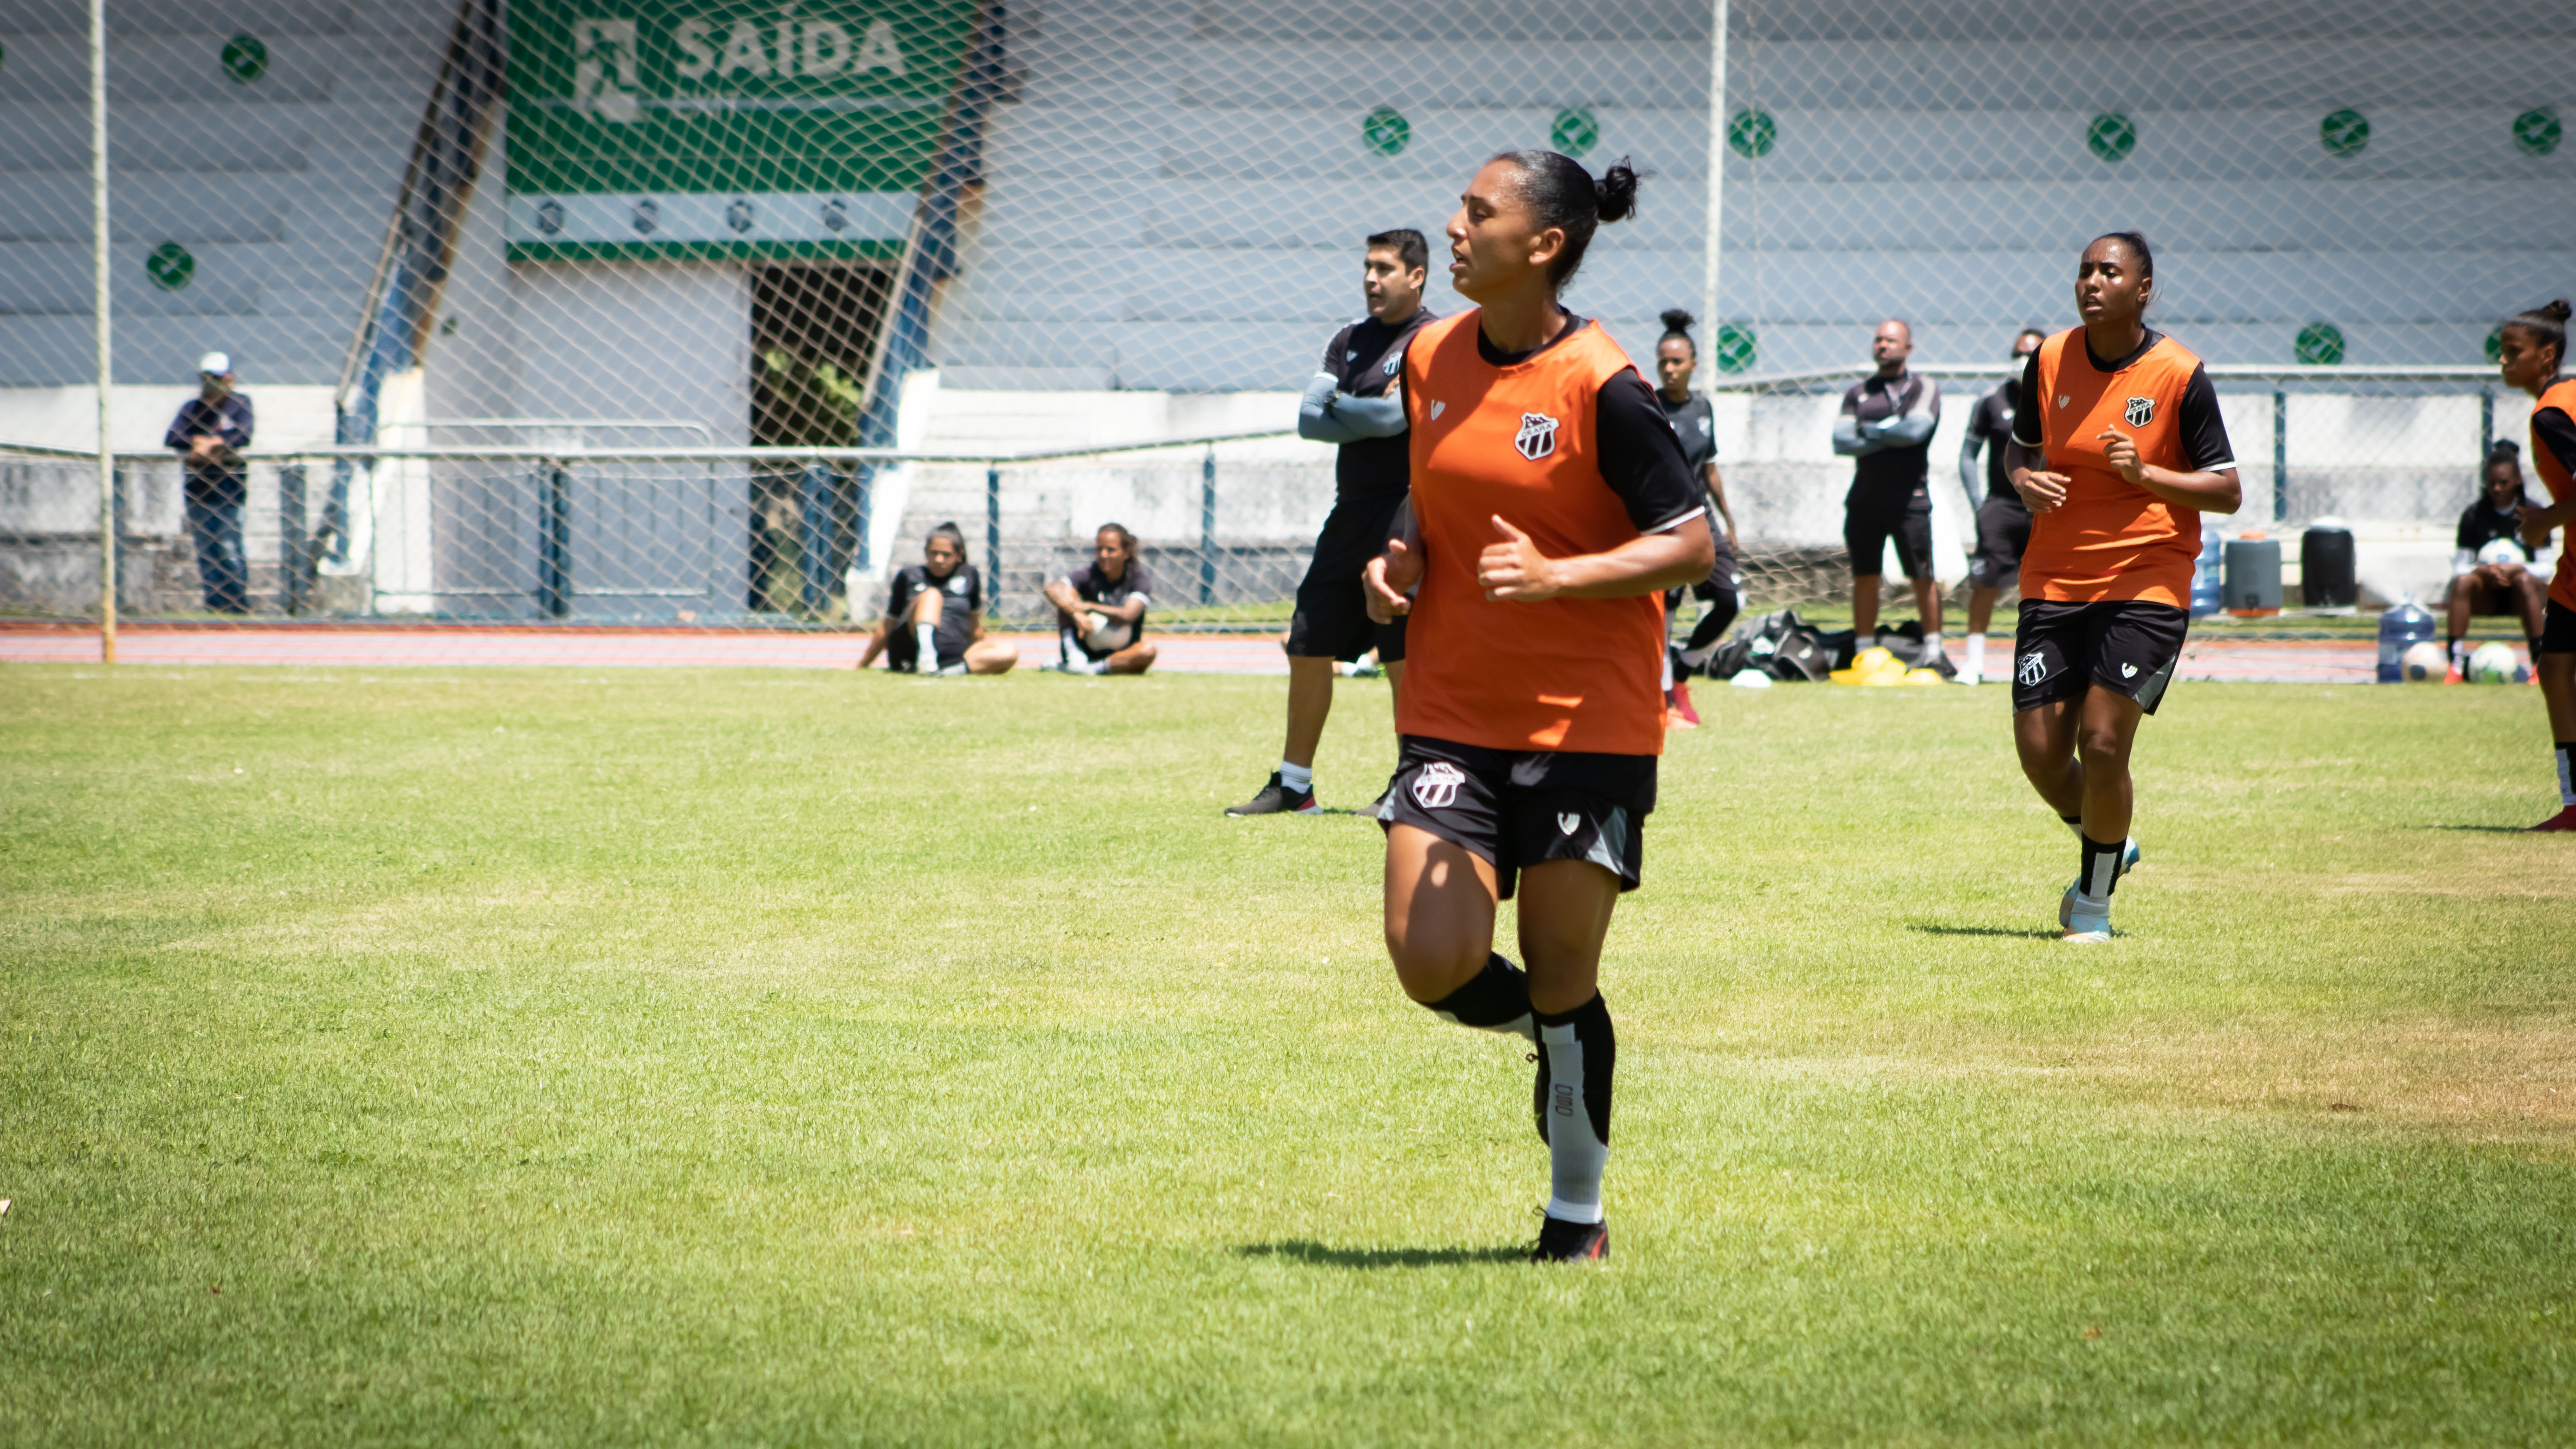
(551, 1057)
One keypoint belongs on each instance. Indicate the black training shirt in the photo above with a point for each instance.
(1364, 360)
(2483, 523)
(2203, 428)
(1989, 424)
(1641, 460)
(1892, 475)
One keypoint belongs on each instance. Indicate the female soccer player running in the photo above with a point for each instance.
(2532, 356)
(2118, 448)
(1550, 505)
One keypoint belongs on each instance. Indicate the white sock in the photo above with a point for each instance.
(1577, 1145)
(1068, 647)
(1698, 658)
(926, 639)
(1976, 654)
(1300, 778)
(1668, 669)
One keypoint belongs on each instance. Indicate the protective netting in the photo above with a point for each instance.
(523, 245)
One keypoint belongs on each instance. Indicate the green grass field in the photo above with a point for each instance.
(651, 1057)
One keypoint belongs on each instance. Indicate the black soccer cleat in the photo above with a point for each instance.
(1276, 798)
(1563, 1242)
(1538, 1093)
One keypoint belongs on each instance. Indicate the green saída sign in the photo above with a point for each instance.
(702, 128)
(2319, 344)
(245, 58)
(2536, 132)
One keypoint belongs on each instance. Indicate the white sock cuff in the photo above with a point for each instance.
(1300, 778)
(1573, 1212)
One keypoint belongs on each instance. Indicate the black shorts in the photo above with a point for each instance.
(1868, 525)
(2003, 536)
(1519, 809)
(1332, 619)
(2558, 629)
(903, 652)
(1724, 583)
(2126, 646)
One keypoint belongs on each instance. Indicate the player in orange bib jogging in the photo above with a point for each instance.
(1550, 507)
(2118, 448)
(2532, 356)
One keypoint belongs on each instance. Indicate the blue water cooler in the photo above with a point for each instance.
(2401, 629)
(2206, 597)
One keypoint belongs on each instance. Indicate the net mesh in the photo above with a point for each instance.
(515, 249)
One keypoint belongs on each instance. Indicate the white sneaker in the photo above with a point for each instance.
(2087, 921)
(1968, 676)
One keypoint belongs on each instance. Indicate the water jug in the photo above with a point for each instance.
(2326, 566)
(2401, 629)
(2205, 595)
(2253, 576)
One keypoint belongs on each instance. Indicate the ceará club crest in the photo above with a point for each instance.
(1537, 436)
(2141, 411)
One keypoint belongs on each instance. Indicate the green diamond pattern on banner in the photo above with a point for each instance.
(245, 58)
(1735, 347)
(1752, 134)
(2536, 132)
(1386, 131)
(170, 266)
(2320, 344)
(1575, 131)
(2111, 136)
(2344, 133)
(2495, 345)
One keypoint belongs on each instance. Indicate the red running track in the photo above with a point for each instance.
(2291, 661)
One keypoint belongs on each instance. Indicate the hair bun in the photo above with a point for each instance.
(2556, 311)
(1677, 323)
(2503, 448)
(1615, 194)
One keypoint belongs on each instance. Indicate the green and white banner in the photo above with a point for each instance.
(700, 128)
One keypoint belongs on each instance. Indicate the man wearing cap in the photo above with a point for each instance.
(209, 433)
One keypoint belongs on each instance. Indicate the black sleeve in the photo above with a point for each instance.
(1641, 460)
(177, 436)
(2204, 428)
(2554, 430)
(899, 593)
(2027, 417)
(2468, 541)
(1336, 351)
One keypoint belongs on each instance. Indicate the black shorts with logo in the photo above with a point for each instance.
(2558, 629)
(1868, 524)
(1332, 619)
(1516, 809)
(2003, 536)
(2127, 646)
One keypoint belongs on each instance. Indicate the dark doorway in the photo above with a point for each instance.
(813, 332)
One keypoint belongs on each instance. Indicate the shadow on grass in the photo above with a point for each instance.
(1316, 1255)
(2478, 829)
(1987, 931)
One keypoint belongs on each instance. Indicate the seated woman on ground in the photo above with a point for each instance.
(1100, 609)
(2491, 573)
(934, 616)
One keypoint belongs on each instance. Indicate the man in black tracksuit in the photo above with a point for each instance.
(1886, 428)
(1357, 402)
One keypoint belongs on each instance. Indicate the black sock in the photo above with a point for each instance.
(1494, 999)
(2101, 868)
(1582, 1053)
(2567, 773)
(2532, 643)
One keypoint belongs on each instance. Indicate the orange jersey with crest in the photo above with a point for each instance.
(2111, 539)
(1518, 441)
(2554, 476)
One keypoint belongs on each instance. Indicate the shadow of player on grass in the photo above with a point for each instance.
(1317, 1255)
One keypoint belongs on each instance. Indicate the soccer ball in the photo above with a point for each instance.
(2424, 664)
(2491, 664)
(2500, 551)
(1104, 635)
